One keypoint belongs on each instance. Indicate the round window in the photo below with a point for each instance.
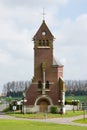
(43, 33)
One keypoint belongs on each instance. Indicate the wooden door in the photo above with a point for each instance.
(43, 106)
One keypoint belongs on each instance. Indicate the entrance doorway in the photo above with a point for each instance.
(43, 106)
(43, 103)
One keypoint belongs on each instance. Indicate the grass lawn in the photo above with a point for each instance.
(81, 98)
(49, 115)
(82, 121)
(28, 125)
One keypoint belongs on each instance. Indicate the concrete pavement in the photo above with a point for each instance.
(68, 120)
(61, 120)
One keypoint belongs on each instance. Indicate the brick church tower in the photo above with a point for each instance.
(45, 90)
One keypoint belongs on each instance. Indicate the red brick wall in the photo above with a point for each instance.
(42, 55)
(60, 71)
(52, 73)
(32, 94)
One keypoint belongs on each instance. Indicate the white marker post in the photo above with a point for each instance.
(14, 109)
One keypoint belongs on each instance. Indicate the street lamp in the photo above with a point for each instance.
(75, 102)
(84, 110)
(78, 105)
(61, 106)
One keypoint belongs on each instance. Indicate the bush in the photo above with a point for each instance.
(53, 109)
(68, 102)
(6, 109)
(0, 102)
(72, 102)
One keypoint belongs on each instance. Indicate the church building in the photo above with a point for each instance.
(47, 88)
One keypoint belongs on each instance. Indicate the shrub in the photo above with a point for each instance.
(68, 102)
(6, 109)
(72, 102)
(53, 109)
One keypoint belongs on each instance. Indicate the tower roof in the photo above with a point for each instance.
(43, 31)
(56, 63)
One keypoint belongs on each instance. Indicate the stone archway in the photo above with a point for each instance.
(43, 102)
(43, 105)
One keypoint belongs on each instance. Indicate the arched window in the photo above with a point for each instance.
(39, 42)
(39, 84)
(43, 42)
(47, 84)
(47, 43)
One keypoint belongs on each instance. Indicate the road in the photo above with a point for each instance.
(68, 121)
(3, 106)
(62, 120)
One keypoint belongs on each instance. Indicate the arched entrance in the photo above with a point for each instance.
(43, 102)
(43, 105)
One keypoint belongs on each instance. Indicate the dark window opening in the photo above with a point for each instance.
(39, 84)
(39, 42)
(47, 84)
(43, 42)
(47, 43)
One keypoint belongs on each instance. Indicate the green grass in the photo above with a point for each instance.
(81, 98)
(29, 125)
(49, 115)
(81, 121)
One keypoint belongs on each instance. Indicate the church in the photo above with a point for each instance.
(47, 88)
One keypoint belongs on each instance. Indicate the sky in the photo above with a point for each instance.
(20, 20)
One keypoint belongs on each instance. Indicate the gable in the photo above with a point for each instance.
(43, 31)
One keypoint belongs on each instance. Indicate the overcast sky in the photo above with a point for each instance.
(20, 20)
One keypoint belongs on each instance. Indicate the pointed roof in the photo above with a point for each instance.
(43, 30)
(61, 84)
(56, 63)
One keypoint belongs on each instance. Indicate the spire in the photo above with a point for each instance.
(43, 14)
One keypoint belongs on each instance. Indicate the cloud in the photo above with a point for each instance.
(71, 44)
(19, 21)
(5, 58)
(73, 32)
(32, 3)
(24, 11)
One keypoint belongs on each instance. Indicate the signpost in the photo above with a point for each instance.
(14, 109)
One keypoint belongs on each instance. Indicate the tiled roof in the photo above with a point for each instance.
(56, 63)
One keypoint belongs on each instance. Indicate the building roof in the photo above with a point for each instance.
(43, 30)
(56, 63)
(61, 84)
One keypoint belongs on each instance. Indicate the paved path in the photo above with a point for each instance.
(68, 120)
(3, 106)
(62, 120)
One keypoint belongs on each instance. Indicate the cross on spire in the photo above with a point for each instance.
(43, 14)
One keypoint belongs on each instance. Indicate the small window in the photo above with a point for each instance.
(43, 33)
(39, 84)
(43, 42)
(47, 43)
(47, 84)
(39, 42)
